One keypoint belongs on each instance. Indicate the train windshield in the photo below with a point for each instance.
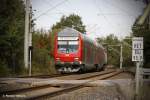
(67, 46)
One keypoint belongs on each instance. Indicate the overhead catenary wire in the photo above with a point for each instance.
(50, 9)
(50, 5)
(92, 27)
(106, 19)
(125, 13)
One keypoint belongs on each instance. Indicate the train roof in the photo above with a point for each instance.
(68, 32)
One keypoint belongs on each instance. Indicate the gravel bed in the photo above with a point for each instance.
(124, 75)
(92, 93)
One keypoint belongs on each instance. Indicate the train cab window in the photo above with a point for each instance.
(62, 46)
(67, 46)
(72, 46)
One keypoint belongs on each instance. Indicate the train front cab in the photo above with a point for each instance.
(67, 53)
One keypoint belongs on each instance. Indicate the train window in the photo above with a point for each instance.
(62, 46)
(67, 46)
(72, 46)
(73, 42)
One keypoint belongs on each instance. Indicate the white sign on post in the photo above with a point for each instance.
(137, 55)
(137, 49)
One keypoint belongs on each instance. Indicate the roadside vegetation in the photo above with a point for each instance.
(11, 37)
(112, 46)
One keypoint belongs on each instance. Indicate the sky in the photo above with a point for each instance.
(101, 17)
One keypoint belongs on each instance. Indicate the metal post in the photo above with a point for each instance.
(121, 58)
(30, 64)
(137, 79)
(26, 55)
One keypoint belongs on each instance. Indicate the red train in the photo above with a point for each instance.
(74, 52)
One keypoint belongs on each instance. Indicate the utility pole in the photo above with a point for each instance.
(27, 36)
(30, 40)
(137, 85)
(26, 53)
(121, 58)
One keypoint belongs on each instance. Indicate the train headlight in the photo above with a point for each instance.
(57, 58)
(76, 58)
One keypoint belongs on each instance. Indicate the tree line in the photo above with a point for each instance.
(11, 36)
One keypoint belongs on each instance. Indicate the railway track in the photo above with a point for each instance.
(42, 76)
(49, 90)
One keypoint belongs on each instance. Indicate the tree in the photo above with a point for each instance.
(127, 51)
(113, 57)
(70, 21)
(41, 59)
(11, 34)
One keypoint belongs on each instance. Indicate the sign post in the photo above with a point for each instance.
(137, 56)
(121, 58)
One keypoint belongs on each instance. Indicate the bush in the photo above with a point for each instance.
(4, 70)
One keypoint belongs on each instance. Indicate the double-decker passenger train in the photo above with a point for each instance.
(74, 52)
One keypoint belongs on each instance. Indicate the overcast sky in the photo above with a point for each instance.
(101, 17)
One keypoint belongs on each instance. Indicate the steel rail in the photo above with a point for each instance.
(42, 76)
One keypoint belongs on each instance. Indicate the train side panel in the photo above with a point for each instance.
(93, 56)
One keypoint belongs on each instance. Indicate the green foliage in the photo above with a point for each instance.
(11, 35)
(112, 52)
(4, 71)
(41, 60)
(70, 21)
(127, 52)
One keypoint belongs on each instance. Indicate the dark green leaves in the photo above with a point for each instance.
(73, 21)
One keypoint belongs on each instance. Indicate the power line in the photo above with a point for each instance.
(103, 14)
(49, 4)
(51, 9)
